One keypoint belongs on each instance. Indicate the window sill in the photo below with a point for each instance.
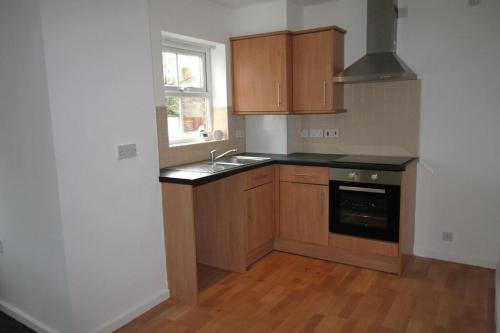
(183, 144)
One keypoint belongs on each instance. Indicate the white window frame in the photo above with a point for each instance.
(202, 51)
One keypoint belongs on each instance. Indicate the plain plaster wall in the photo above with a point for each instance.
(99, 71)
(33, 285)
(454, 49)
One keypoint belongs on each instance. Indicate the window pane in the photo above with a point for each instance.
(191, 72)
(187, 116)
(170, 69)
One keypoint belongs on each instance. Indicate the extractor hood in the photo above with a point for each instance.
(381, 63)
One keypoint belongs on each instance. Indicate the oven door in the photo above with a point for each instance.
(365, 210)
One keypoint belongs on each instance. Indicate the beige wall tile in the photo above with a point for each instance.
(381, 118)
(199, 151)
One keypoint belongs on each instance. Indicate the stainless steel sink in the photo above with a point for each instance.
(223, 164)
(243, 160)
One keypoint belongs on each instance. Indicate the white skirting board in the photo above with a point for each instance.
(25, 318)
(453, 257)
(133, 312)
(110, 326)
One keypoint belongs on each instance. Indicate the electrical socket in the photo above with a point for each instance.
(127, 151)
(447, 236)
(332, 133)
(315, 133)
(304, 133)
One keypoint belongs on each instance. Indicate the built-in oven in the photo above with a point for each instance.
(365, 203)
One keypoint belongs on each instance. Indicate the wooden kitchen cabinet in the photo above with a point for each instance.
(304, 212)
(318, 55)
(261, 70)
(260, 220)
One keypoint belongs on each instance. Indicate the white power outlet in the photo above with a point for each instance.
(332, 133)
(447, 236)
(315, 133)
(127, 151)
(304, 133)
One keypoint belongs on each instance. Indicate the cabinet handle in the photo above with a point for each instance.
(279, 94)
(250, 209)
(322, 197)
(303, 175)
(324, 92)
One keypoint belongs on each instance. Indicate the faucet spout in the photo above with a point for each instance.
(213, 158)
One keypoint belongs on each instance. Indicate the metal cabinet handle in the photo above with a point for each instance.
(279, 94)
(322, 197)
(324, 92)
(250, 217)
(303, 175)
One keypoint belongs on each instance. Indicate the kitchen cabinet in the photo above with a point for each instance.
(261, 72)
(318, 55)
(304, 204)
(232, 221)
(260, 218)
(288, 72)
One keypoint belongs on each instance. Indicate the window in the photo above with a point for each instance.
(186, 79)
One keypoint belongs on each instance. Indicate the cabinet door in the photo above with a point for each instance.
(261, 74)
(317, 56)
(304, 212)
(260, 215)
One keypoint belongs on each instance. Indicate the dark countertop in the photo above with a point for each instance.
(364, 162)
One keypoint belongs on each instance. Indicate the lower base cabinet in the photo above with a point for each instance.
(231, 222)
(259, 216)
(304, 212)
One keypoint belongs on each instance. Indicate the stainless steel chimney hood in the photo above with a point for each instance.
(381, 62)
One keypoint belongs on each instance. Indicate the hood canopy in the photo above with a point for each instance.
(381, 63)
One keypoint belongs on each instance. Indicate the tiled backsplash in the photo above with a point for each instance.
(381, 118)
(199, 151)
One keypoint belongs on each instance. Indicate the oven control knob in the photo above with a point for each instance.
(352, 175)
(374, 176)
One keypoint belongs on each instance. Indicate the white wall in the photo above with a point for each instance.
(99, 71)
(259, 18)
(33, 283)
(454, 49)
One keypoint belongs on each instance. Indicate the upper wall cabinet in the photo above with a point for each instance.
(261, 69)
(265, 67)
(318, 55)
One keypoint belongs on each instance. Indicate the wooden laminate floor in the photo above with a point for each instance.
(289, 293)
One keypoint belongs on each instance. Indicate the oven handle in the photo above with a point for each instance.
(361, 189)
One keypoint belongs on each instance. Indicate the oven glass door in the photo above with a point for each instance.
(365, 210)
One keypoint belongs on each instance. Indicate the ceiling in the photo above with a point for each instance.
(243, 3)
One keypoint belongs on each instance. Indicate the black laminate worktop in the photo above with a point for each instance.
(364, 162)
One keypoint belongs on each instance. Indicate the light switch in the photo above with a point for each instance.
(127, 151)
